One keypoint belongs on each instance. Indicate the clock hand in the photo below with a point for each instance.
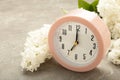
(77, 36)
(75, 44)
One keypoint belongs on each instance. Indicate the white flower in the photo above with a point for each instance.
(114, 56)
(116, 44)
(110, 12)
(36, 49)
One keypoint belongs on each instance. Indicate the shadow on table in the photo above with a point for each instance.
(52, 70)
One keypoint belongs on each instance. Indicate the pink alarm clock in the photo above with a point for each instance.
(79, 40)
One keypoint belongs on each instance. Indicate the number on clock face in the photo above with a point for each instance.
(75, 43)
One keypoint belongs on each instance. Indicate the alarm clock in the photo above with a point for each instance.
(79, 40)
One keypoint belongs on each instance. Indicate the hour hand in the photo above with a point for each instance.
(76, 42)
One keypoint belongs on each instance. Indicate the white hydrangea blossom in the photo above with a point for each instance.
(114, 55)
(116, 44)
(110, 12)
(36, 49)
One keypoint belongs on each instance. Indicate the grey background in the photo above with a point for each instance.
(17, 17)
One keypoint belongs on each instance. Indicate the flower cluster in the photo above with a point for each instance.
(36, 49)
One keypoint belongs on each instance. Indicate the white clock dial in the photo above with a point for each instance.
(76, 44)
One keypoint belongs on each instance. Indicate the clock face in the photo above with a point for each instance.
(75, 44)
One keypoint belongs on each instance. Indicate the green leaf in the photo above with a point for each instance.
(90, 8)
(94, 5)
(83, 4)
(64, 10)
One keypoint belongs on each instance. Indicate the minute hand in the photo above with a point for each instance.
(76, 40)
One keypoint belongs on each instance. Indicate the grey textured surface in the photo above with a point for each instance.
(17, 17)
